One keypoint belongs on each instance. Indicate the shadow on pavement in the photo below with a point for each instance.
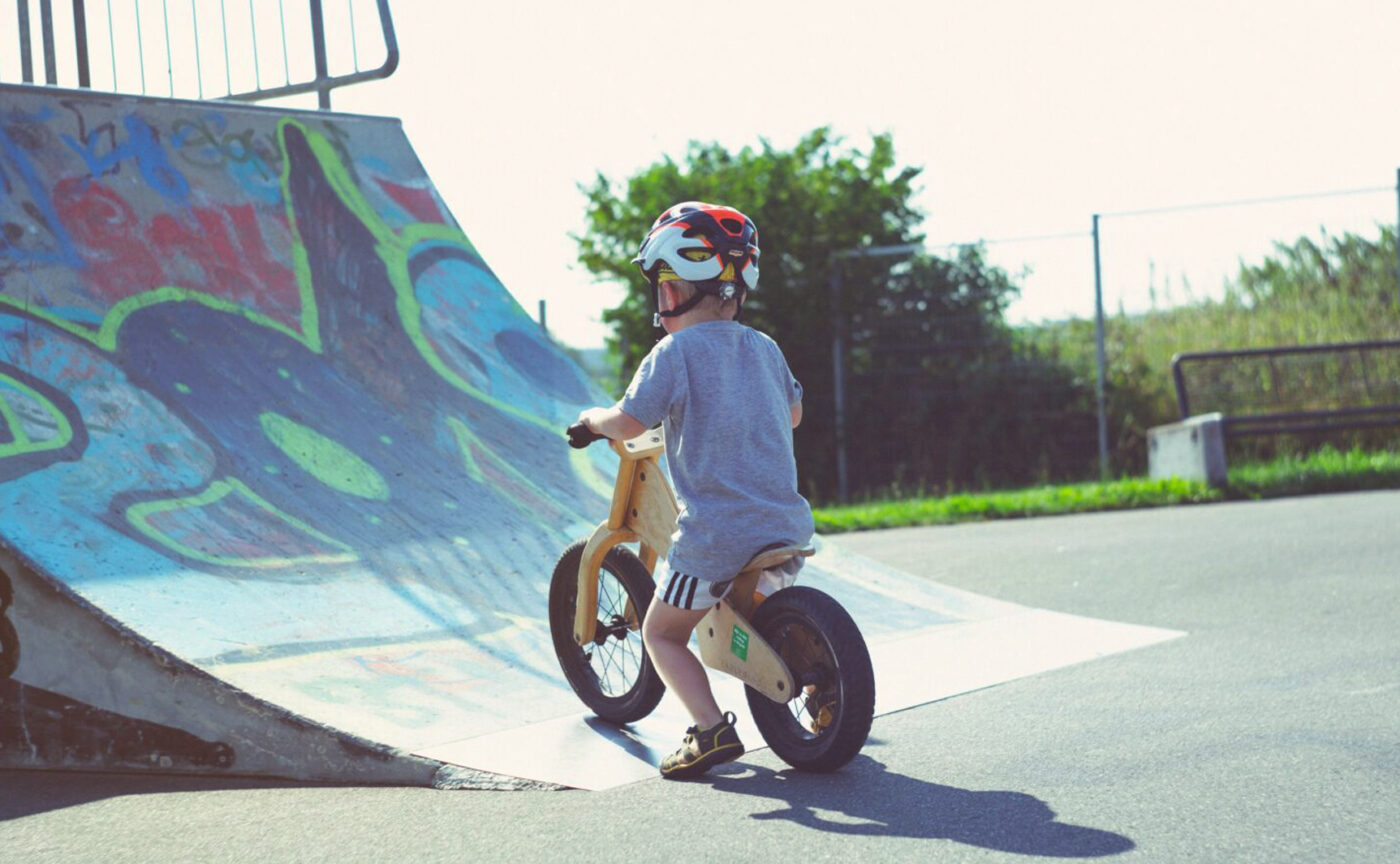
(29, 793)
(871, 800)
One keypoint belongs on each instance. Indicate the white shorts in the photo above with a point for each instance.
(685, 591)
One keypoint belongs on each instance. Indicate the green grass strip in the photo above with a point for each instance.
(1327, 470)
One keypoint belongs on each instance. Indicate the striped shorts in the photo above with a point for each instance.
(684, 591)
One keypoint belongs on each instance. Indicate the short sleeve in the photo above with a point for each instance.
(792, 386)
(657, 385)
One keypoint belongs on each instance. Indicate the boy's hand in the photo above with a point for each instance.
(612, 423)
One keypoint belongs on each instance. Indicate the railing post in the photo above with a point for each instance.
(81, 44)
(318, 46)
(26, 51)
(50, 59)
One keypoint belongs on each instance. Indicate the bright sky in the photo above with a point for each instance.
(1027, 117)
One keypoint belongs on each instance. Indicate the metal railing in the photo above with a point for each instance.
(179, 40)
(1293, 389)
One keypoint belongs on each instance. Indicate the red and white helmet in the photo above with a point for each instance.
(715, 248)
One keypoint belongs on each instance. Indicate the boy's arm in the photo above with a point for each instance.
(796, 410)
(612, 422)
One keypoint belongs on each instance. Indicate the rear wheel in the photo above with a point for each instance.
(827, 723)
(611, 674)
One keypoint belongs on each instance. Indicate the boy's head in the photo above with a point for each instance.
(710, 248)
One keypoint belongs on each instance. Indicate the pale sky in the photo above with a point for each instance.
(1027, 118)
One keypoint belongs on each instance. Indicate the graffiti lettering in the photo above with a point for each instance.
(109, 127)
(143, 146)
(205, 143)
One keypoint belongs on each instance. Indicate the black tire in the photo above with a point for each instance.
(614, 676)
(823, 648)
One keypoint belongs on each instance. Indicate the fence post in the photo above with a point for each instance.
(1099, 337)
(838, 381)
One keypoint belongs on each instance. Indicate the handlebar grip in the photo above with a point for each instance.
(580, 436)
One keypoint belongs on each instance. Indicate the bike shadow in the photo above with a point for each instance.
(869, 799)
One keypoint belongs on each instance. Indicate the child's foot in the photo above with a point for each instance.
(704, 749)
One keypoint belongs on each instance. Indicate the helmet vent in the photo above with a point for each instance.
(733, 226)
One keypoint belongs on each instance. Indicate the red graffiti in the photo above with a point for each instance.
(222, 251)
(418, 202)
(108, 233)
(218, 250)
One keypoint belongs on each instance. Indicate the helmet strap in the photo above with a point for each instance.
(737, 296)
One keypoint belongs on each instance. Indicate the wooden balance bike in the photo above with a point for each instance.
(810, 686)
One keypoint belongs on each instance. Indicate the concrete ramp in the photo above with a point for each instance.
(282, 478)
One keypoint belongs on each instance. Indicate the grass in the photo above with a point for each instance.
(1326, 470)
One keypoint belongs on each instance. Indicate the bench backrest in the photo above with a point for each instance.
(1300, 388)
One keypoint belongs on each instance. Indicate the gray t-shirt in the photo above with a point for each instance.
(724, 392)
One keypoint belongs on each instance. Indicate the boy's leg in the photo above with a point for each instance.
(666, 633)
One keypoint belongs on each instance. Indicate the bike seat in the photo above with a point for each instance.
(769, 558)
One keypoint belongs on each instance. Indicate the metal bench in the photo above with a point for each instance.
(1297, 389)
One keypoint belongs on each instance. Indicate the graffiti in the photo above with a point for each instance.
(206, 143)
(336, 378)
(39, 425)
(21, 134)
(143, 147)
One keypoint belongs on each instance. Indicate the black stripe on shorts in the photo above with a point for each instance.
(680, 591)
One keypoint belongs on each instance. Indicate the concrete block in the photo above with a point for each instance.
(1193, 449)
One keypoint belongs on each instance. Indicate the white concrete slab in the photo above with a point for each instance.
(941, 661)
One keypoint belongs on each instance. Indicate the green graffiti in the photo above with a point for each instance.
(140, 515)
(332, 463)
(21, 442)
(468, 442)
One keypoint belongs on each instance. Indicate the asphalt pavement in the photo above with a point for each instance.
(1270, 733)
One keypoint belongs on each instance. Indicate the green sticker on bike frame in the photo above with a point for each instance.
(739, 644)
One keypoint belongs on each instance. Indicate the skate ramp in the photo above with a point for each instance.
(282, 478)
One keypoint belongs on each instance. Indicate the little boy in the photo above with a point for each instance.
(728, 403)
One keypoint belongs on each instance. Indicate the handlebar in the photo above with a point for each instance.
(580, 436)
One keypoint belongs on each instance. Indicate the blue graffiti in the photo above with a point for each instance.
(17, 160)
(142, 146)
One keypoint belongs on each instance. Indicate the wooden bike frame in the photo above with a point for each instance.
(644, 511)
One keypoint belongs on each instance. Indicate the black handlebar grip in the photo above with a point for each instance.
(580, 436)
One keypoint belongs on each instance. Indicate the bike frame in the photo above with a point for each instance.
(644, 511)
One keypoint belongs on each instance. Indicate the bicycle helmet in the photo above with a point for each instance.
(714, 248)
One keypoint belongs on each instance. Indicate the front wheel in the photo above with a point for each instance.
(612, 674)
(827, 723)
